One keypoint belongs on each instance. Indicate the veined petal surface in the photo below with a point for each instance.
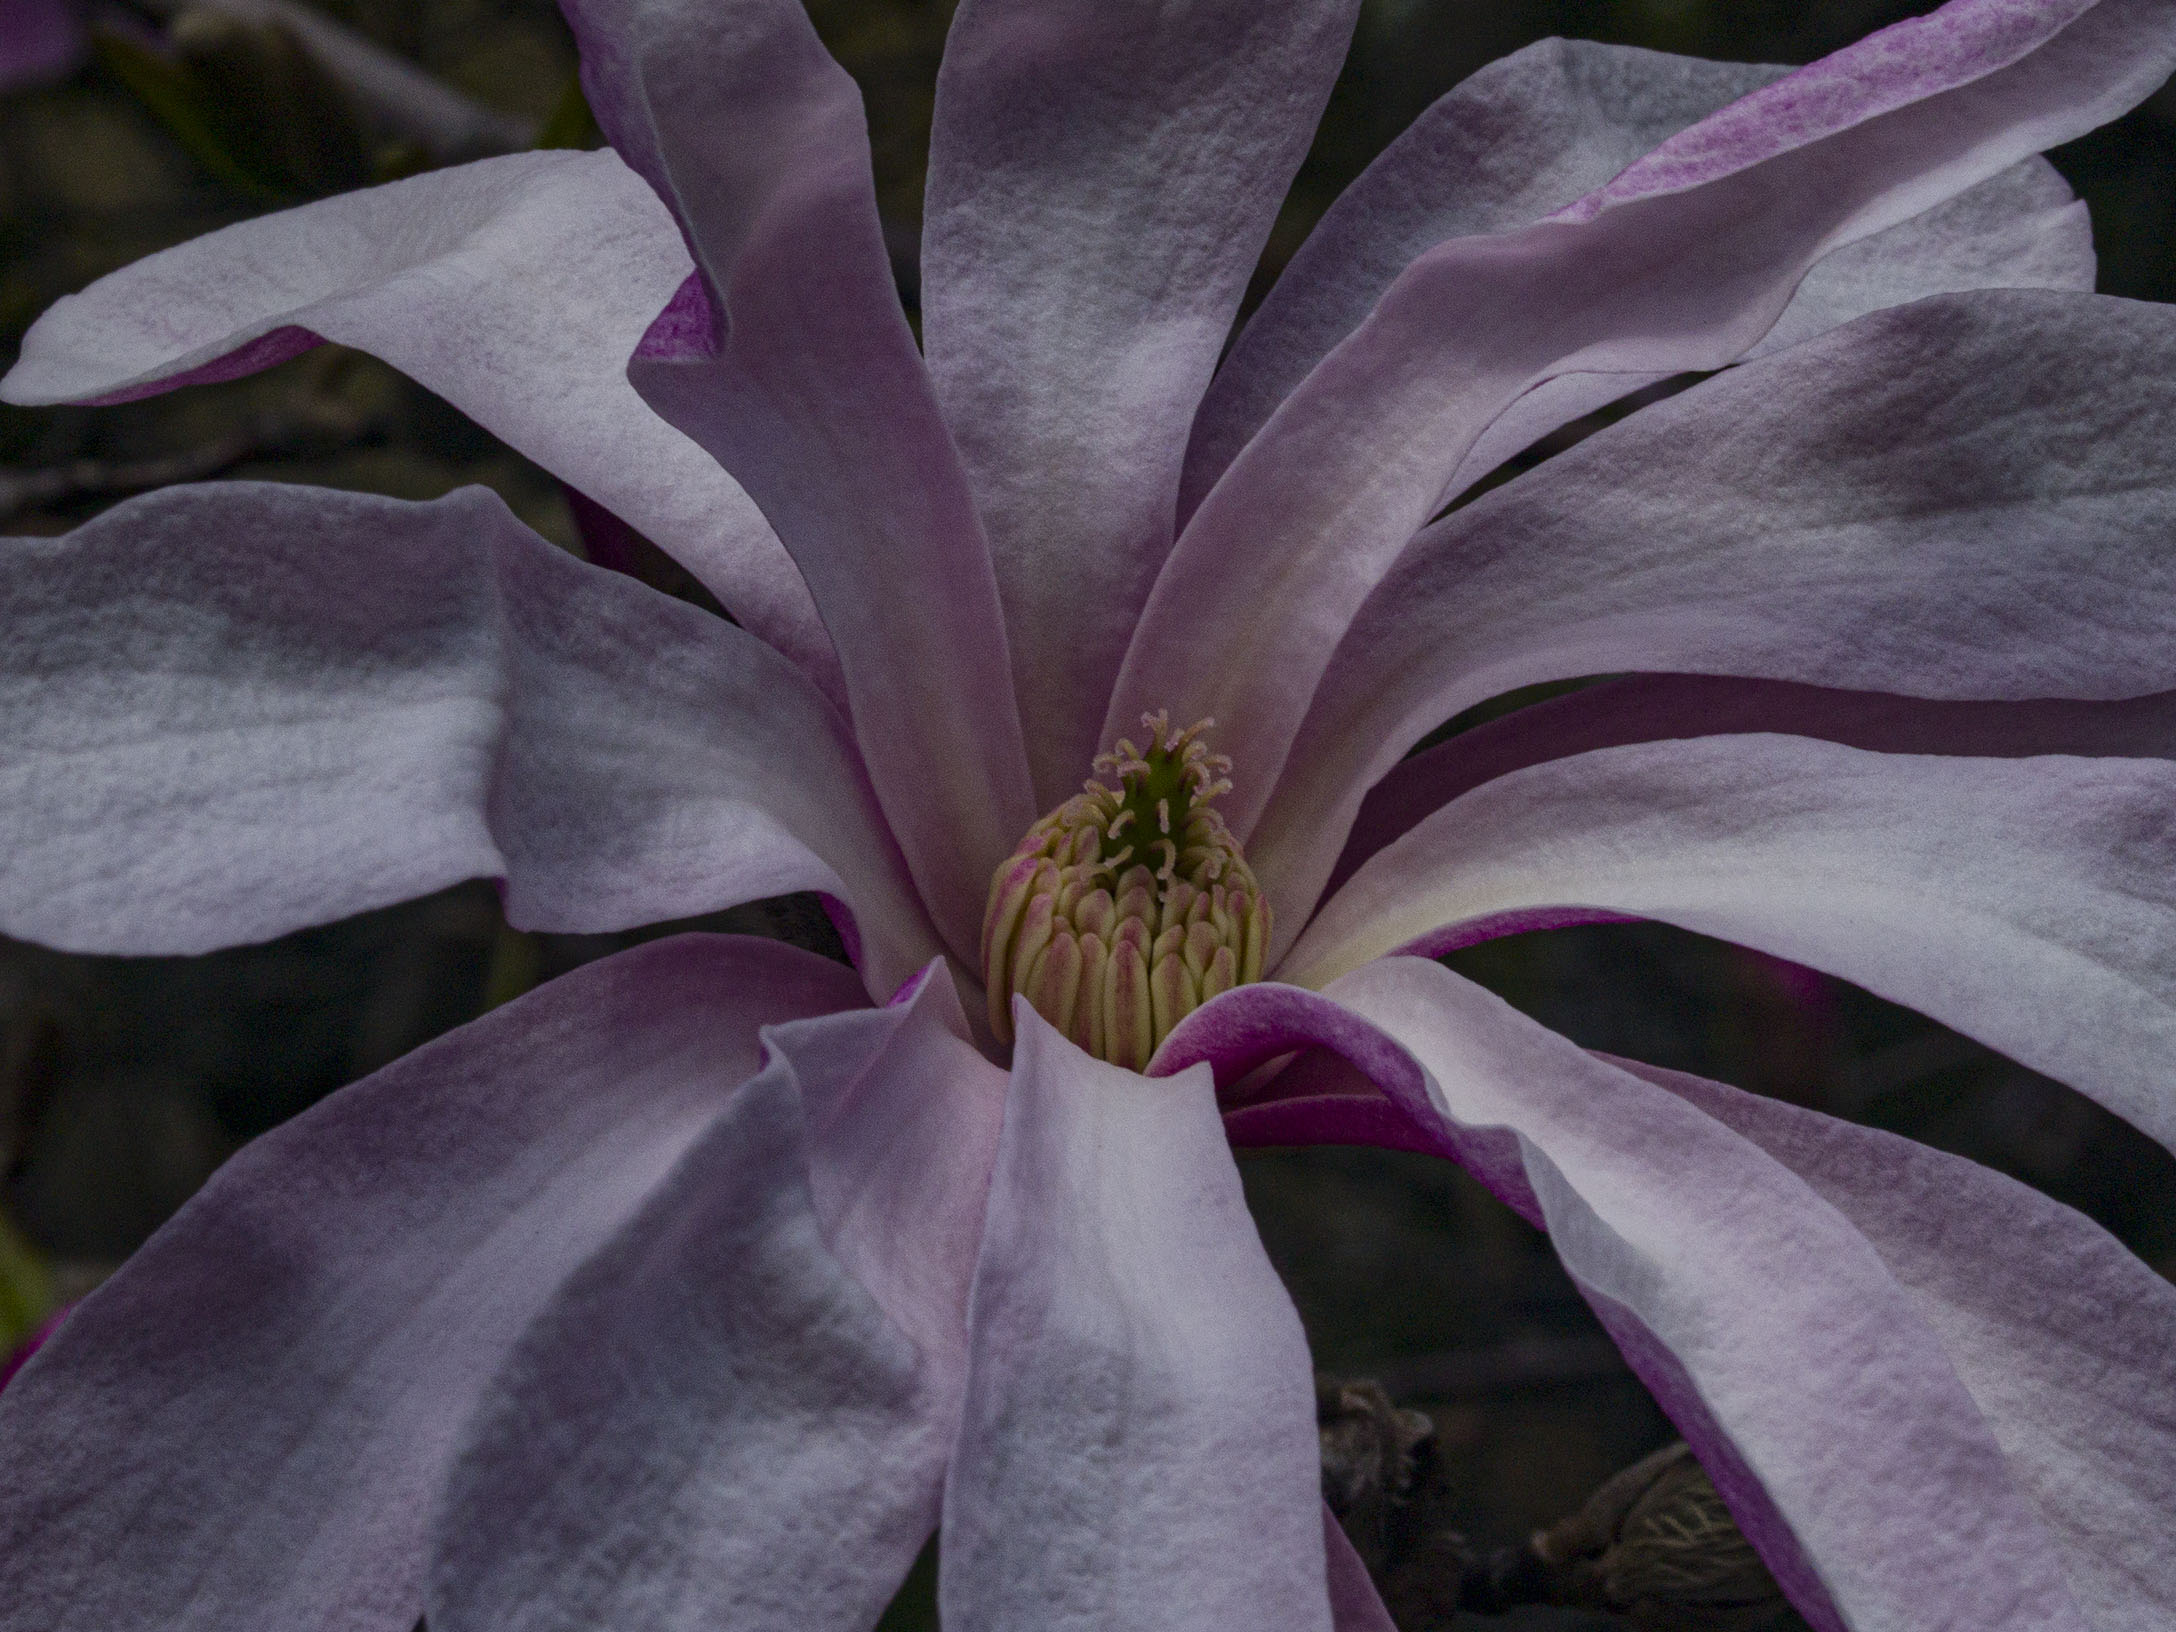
(2065, 1338)
(1139, 1437)
(903, 1119)
(789, 358)
(1968, 497)
(1682, 263)
(1102, 176)
(720, 1420)
(1656, 707)
(1534, 131)
(1516, 140)
(1821, 1397)
(2020, 229)
(2030, 903)
(229, 711)
(245, 1427)
(514, 287)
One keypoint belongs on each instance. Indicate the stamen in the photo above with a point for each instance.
(1112, 952)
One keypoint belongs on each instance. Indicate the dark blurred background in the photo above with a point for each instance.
(125, 1081)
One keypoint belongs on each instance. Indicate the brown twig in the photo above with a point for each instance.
(405, 101)
(46, 487)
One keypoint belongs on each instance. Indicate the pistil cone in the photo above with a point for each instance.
(1127, 907)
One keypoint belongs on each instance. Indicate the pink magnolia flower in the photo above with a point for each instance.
(699, 1286)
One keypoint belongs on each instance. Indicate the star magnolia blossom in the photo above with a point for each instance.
(698, 1287)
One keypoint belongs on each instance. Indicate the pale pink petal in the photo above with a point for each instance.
(515, 288)
(1968, 497)
(39, 40)
(1139, 1443)
(902, 1157)
(1682, 263)
(246, 1426)
(2066, 1340)
(1102, 176)
(789, 358)
(1522, 137)
(2021, 229)
(1819, 1395)
(2030, 903)
(738, 1412)
(1534, 131)
(1652, 707)
(229, 711)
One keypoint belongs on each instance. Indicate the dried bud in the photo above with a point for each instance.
(1367, 1461)
(1656, 1545)
(1127, 907)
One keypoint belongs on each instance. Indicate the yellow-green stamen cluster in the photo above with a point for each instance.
(1127, 907)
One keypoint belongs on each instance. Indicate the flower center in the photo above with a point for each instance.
(1127, 907)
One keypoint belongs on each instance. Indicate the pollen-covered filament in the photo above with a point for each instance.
(1129, 906)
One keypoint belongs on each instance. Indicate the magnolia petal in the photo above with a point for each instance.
(245, 1427)
(1098, 195)
(2020, 229)
(2066, 1340)
(1520, 138)
(1140, 1422)
(1818, 1394)
(788, 357)
(229, 711)
(1531, 133)
(902, 1154)
(724, 1418)
(1653, 707)
(1966, 497)
(39, 40)
(2026, 902)
(515, 288)
(1682, 263)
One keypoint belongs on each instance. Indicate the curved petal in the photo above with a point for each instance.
(1683, 262)
(722, 1419)
(2066, 1340)
(902, 1155)
(1821, 1398)
(515, 288)
(244, 1427)
(2020, 229)
(1139, 1431)
(788, 358)
(2026, 902)
(1655, 707)
(1102, 176)
(1520, 138)
(1531, 133)
(232, 710)
(1967, 497)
